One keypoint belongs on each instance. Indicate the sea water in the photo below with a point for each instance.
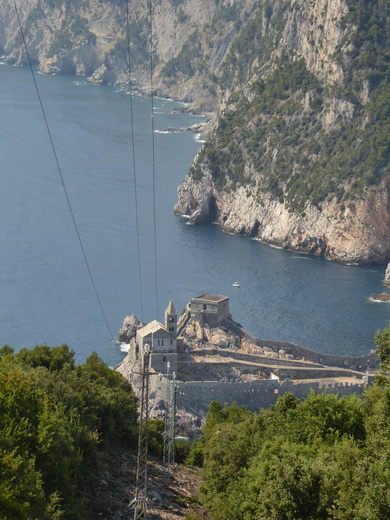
(46, 294)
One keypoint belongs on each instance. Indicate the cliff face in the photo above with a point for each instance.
(360, 235)
(299, 152)
(299, 157)
(189, 41)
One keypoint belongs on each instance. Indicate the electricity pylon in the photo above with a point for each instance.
(140, 500)
(169, 433)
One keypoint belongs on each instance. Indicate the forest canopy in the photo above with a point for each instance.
(54, 418)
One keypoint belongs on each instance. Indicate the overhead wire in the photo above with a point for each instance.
(151, 42)
(60, 172)
(129, 62)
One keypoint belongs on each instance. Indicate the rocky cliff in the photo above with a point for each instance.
(189, 41)
(298, 155)
(359, 234)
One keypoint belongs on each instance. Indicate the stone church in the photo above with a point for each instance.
(162, 339)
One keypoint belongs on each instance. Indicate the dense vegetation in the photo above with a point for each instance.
(54, 418)
(272, 138)
(322, 458)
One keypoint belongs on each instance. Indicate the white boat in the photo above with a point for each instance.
(235, 284)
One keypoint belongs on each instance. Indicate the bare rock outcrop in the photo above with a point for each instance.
(196, 199)
(129, 329)
(386, 281)
(359, 234)
(382, 297)
(90, 38)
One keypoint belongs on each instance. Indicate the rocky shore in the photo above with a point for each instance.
(382, 297)
(359, 235)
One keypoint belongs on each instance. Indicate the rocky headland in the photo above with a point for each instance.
(288, 160)
(297, 149)
(227, 363)
(90, 38)
(361, 234)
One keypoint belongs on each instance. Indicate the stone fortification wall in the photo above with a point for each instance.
(361, 363)
(302, 389)
(158, 392)
(312, 373)
(283, 368)
(249, 358)
(159, 362)
(196, 396)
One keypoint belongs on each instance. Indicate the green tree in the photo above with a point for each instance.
(382, 341)
(54, 417)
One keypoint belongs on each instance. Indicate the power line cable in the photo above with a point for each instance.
(60, 171)
(153, 151)
(133, 153)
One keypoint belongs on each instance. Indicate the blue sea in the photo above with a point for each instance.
(46, 294)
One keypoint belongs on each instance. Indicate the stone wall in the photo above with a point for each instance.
(283, 368)
(159, 362)
(302, 389)
(362, 363)
(196, 396)
(249, 358)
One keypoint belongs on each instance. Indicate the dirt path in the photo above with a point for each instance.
(170, 497)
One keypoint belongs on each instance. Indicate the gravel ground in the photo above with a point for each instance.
(171, 495)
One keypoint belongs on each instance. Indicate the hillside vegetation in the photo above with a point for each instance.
(55, 416)
(272, 135)
(321, 458)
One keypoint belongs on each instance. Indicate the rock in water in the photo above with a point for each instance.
(382, 297)
(129, 329)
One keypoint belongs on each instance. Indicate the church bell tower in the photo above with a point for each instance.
(171, 320)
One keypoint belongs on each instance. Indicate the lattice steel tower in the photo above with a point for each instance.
(141, 498)
(169, 433)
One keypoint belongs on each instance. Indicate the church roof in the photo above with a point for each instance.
(171, 308)
(151, 328)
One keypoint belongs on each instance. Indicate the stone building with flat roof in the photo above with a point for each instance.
(212, 309)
